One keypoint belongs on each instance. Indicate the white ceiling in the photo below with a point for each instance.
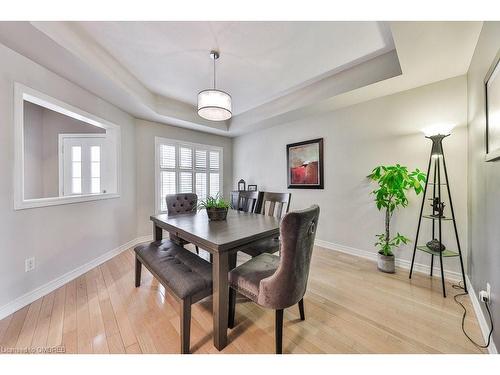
(259, 60)
(276, 72)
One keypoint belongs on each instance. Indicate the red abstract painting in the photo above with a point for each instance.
(305, 164)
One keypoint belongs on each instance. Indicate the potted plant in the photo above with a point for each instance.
(394, 182)
(216, 207)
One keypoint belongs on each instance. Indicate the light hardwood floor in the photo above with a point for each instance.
(350, 308)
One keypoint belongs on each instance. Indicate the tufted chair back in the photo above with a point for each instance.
(288, 284)
(181, 203)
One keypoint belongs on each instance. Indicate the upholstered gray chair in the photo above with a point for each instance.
(178, 204)
(278, 282)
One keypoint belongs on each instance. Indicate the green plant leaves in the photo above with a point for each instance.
(394, 182)
(214, 202)
(386, 247)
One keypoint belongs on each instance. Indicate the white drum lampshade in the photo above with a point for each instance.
(214, 105)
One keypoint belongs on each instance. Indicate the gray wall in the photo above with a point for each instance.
(484, 178)
(42, 127)
(33, 151)
(146, 132)
(65, 237)
(356, 139)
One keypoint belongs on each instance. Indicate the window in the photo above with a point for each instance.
(183, 167)
(62, 154)
(81, 164)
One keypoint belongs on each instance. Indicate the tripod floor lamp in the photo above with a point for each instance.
(437, 219)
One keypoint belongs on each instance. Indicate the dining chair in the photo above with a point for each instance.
(178, 204)
(272, 204)
(248, 201)
(278, 282)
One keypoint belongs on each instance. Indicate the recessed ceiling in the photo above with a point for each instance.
(259, 61)
(277, 72)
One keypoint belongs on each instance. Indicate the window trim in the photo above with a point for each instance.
(179, 143)
(24, 93)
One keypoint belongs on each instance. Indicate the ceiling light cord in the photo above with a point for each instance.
(214, 70)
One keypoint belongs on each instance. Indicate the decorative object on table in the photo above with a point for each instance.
(394, 182)
(492, 102)
(252, 187)
(214, 104)
(216, 207)
(435, 245)
(437, 160)
(305, 164)
(241, 185)
(437, 207)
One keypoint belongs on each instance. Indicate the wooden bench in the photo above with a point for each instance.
(184, 275)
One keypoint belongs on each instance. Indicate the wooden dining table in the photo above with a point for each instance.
(222, 239)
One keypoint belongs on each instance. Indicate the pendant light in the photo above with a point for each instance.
(213, 104)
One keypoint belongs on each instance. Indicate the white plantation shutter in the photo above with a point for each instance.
(214, 160)
(201, 159)
(186, 158)
(186, 168)
(214, 184)
(167, 156)
(201, 185)
(185, 182)
(167, 186)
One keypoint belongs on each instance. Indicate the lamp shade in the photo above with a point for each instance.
(438, 129)
(214, 105)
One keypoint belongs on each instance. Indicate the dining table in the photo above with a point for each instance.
(223, 239)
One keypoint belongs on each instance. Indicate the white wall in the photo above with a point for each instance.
(146, 132)
(356, 139)
(65, 237)
(484, 179)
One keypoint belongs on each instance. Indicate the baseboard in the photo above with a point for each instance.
(39, 292)
(482, 319)
(417, 267)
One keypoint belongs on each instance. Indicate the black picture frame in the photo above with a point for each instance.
(320, 169)
(252, 187)
(492, 153)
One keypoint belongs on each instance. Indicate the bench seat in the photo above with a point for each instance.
(183, 274)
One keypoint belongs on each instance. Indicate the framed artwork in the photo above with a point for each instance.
(492, 102)
(305, 164)
(252, 187)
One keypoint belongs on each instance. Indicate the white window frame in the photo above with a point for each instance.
(178, 144)
(23, 93)
(106, 181)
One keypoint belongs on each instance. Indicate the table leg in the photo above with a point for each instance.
(157, 232)
(220, 269)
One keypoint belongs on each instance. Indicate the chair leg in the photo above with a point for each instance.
(185, 313)
(301, 310)
(138, 269)
(197, 250)
(279, 331)
(232, 307)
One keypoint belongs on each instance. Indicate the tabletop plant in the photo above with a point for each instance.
(215, 206)
(216, 201)
(394, 183)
